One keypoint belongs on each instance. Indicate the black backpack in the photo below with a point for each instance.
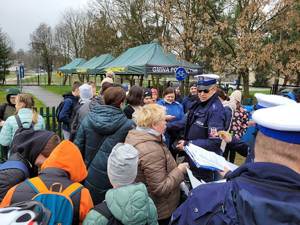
(104, 210)
(58, 110)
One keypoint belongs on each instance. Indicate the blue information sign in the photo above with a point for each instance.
(180, 73)
(21, 71)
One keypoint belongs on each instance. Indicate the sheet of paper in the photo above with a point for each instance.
(223, 145)
(206, 159)
(194, 181)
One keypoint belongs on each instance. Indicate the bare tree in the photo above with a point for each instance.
(42, 44)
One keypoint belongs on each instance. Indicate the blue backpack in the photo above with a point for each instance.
(59, 203)
(14, 164)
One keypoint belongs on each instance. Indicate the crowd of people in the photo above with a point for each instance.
(122, 159)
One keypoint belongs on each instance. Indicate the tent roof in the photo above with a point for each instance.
(183, 63)
(135, 60)
(91, 65)
(146, 59)
(71, 67)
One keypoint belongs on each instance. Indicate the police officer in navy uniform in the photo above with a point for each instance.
(205, 118)
(266, 191)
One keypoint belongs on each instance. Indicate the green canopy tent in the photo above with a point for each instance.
(71, 67)
(90, 66)
(146, 59)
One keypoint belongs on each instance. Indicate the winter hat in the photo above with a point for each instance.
(122, 164)
(29, 147)
(236, 95)
(86, 92)
(147, 93)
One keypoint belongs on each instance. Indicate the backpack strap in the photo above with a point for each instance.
(37, 185)
(18, 121)
(72, 189)
(104, 210)
(20, 125)
(13, 164)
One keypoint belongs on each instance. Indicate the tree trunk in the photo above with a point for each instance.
(298, 78)
(186, 82)
(245, 75)
(141, 80)
(49, 72)
(65, 79)
(81, 78)
(286, 79)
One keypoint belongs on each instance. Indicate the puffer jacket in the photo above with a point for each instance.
(10, 126)
(64, 166)
(129, 204)
(158, 170)
(99, 132)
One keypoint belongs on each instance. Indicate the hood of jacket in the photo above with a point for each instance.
(70, 95)
(106, 119)
(12, 91)
(136, 137)
(265, 171)
(66, 156)
(131, 204)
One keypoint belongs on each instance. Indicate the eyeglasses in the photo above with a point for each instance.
(204, 90)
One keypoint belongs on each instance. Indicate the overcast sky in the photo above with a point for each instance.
(19, 18)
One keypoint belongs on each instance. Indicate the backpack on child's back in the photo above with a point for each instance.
(58, 202)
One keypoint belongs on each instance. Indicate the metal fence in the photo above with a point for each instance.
(48, 113)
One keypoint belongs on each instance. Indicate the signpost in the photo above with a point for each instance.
(21, 75)
(180, 74)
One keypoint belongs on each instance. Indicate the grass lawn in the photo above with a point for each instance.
(3, 94)
(60, 90)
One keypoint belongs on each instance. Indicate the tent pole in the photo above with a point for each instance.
(141, 80)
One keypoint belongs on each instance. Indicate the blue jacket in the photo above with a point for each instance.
(202, 117)
(10, 126)
(255, 193)
(174, 109)
(100, 131)
(66, 112)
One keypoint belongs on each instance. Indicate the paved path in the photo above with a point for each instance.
(48, 98)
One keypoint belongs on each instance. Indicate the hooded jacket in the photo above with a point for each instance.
(158, 170)
(255, 193)
(67, 113)
(26, 152)
(10, 126)
(99, 132)
(64, 166)
(8, 109)
(129, 204)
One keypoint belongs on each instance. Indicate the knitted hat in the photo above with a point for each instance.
(122, 165)
(236, 95)
(86, 92)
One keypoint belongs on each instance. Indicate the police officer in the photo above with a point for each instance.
(205, 118)
(264, 192)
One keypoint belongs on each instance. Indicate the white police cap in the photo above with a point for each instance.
(206, 80)
(266, 101)
(280, 122)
